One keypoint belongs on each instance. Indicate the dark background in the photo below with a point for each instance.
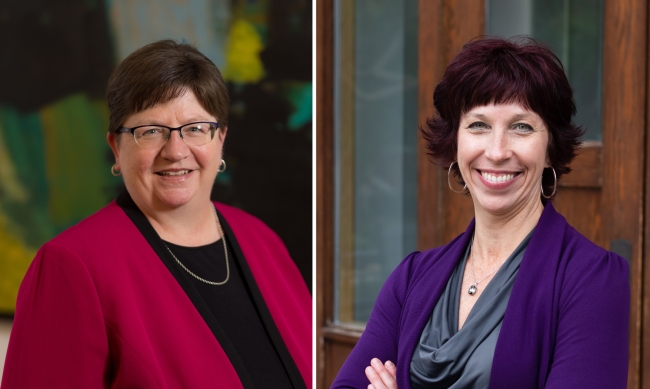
(52, 52)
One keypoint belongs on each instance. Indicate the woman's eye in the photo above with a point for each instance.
(523, 127)
(149, 131)
(478, 126)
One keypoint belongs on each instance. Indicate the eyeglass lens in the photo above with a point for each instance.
(195, 134)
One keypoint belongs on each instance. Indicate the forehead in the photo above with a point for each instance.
(509, 111)
(178, 111)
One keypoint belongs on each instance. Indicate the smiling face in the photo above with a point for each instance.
(176, 174)
(501, 156)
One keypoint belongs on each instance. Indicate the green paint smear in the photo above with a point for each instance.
(78, 170)
(300, 96)
(26, 217)
(59, 160)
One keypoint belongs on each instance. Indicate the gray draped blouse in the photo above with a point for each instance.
(448, 358)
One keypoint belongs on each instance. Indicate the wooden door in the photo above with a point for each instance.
(603, 196)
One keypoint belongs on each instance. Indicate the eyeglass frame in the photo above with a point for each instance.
(122, 130)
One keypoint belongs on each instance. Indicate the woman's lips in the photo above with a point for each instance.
(173, 172)
(497, 180)
(498, 177)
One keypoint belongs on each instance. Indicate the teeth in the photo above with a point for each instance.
(178, 173)
(497, 177)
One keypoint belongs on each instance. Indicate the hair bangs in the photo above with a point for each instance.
(489, 71)
(159, 94)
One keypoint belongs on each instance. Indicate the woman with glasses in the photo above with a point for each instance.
(163, 287)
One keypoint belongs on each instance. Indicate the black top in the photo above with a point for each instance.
(250, 348)
(232, 306)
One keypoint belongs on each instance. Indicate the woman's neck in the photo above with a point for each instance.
(497, 236)
(193, 224)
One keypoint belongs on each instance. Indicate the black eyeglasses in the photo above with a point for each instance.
(151, 136)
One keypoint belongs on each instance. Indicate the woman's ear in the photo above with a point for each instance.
(222, 133)
(113, 142)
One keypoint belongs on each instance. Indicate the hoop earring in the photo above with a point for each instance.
(449, 179)
(554, 185)
(222, 167)
(115, 173)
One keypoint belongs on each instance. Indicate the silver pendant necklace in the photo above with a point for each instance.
(225, 251)
(474, 287)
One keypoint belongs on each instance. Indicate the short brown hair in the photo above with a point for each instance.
(160, 72)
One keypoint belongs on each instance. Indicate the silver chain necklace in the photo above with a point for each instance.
(473, 288)
(225, 251)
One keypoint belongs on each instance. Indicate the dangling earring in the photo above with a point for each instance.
(114, 172)
(449, 180)
(554, 185)
(222, 167)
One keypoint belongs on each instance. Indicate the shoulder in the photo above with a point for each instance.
(102, 223)
(236, 214)
(425, 273)
(438, 259)
(98, 236)
(245, 225)
(555, 238)
(586, 261)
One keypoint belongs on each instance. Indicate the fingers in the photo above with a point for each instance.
(381, 376)
(392, 369)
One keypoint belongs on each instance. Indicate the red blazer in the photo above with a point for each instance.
(99, 309)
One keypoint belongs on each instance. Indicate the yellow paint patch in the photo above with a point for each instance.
(243, 63)
(16, 258)
(10, 186)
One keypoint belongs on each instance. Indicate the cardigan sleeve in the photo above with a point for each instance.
(591, 348)
(380, 337)
(58, 338)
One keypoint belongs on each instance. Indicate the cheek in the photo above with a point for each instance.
(140, 160)
(467, 150)
(540, 153)
(208, 157)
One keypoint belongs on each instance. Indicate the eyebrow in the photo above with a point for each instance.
(156, 123)
(514, 118)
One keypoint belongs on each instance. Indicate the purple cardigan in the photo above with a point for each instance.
(566, 325)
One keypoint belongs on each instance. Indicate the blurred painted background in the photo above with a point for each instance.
(55, 61)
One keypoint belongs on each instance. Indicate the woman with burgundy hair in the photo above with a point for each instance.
(520, 299)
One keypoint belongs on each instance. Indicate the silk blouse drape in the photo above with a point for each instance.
(446, 357)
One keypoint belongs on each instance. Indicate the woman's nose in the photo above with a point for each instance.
(498, 148)
(175, 147)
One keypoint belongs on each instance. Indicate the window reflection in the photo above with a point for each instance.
(574, 31)
(375, 142)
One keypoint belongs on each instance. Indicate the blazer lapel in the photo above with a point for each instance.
(139, 219)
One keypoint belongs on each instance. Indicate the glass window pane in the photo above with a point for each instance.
(574, 31)
(375, 148)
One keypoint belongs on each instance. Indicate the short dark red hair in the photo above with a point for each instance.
(496, 71)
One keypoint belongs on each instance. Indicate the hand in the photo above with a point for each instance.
(381, 376)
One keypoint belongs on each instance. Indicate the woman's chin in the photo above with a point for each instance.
(175, 198)
(497, 205)
(503, 205)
